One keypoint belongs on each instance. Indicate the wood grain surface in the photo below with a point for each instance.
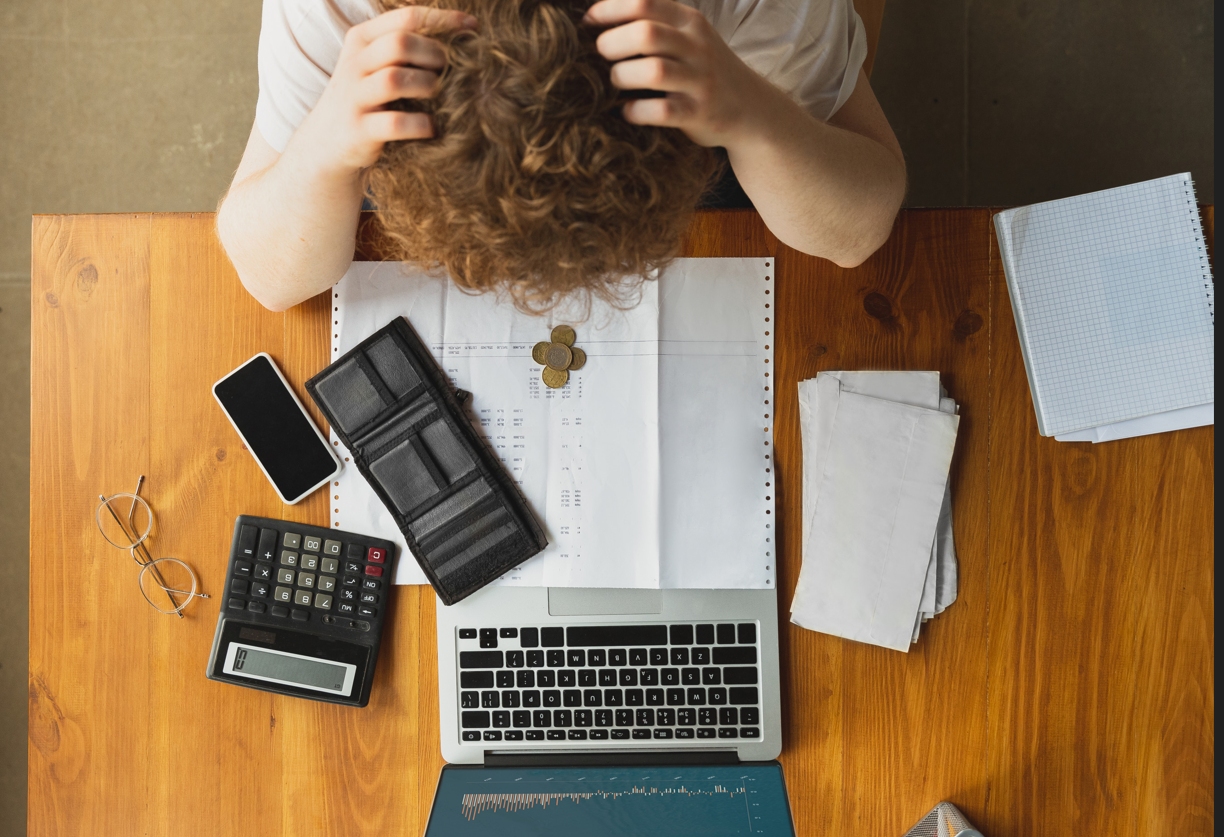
(1069, 690)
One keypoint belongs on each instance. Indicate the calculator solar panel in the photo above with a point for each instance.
(697, 682)
(302, 611)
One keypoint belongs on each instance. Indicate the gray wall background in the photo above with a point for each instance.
(145, 105)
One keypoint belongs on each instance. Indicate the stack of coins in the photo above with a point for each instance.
(558, 357)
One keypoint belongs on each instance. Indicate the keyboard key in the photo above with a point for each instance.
(638, 657)
(736, 655)
(488, 637)
(686, 717)
(618, 657)
(706, 733)
(645, 717)
(289, 559)
(467, 633)
(654, 697)
(675, 697)
(583, 717)
(707, 717)
(474, 720)
(726, 634)
(546, 679)
(681, 635)
(514, 659)
(649, 676)
(586, 677)
(323, 601)
(607, 677)
(701, 656)
(256, 607)
(746, 632)
(750, 715)
(711, 676)
(535, 659)
(602, 636)
(552, 698)
(556, 735)
(679, 656)
(563, 718)
(571, 697)
(534, 735)
(526, 679)
(592, 697)
(510, 700)
(690, 676)
(507, 633)
(566, 677)
(300, 615)
(577, 735)
(684, 733)
(237, 585)
(665, 717)
(481, 659)
(640, 733)
(529, 637)
(513, 735)
(744, 694)
(728, 732)
(505, 679)
(595, 659)
(717, 697)
(658, 656)
(628, 677)
(267, 545)
(247, 535)
(531, 698)
(696, 697)
(634, 697)
(541, 718)
(624, 717)
(552, 637)
(521, 718)
(575, 658)
(603, 717)
(728, 716)
(501, 719)
(670, 676)
(599, 735)
(489, 700)
(492, 735)
(471, 735)
(556, 659)
(737, 676)
(662, 733)
(469, 700)
(705, 634)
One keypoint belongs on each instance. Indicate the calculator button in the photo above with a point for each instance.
(263, 572)
(345, 607)
(242, 568)
(369, 598)
(311, 543)
(289, 559)
(348, 595)
(300, 615)
(327, 583)
(246, 540)
(355, 552)
(331, 547)
(323, 601)
(283, 594)
(374, 571)
(292, 540)
(376, 555)
(306, 579)
(302, 597)
(285, 576)
(259, 590)
(238, 586)
(279, 610)
(237, 604)
(352, 567)
(267, 545)
(367, 611)
(330, 565)
(351, 581)
(371, 584)
(256, 607)
(310, 562)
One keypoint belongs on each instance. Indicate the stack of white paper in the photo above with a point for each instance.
(878, 555)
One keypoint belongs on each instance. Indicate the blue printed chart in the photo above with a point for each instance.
(612, 802)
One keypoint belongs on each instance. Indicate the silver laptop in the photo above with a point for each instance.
(652, 676)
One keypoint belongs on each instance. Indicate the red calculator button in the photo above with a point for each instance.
(376, 555)
(374, 571)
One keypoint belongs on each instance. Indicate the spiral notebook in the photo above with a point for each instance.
(651, 467)
(1114, 304)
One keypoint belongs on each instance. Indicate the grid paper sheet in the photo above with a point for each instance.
(1114, 303)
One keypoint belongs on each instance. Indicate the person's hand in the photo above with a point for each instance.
(382, 60)
(664, 46)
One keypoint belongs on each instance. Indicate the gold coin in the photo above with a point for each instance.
(554, 378)
(539, 352)
(558, 356)
(578, 361)
(563, 334)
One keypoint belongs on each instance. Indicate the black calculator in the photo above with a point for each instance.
(302, 611)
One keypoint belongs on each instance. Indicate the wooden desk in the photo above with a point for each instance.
(1070, 690)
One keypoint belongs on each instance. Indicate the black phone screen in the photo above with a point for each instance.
(276, 430)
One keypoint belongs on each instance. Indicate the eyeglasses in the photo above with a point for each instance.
(126, 520)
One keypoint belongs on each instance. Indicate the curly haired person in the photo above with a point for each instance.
(550, 147)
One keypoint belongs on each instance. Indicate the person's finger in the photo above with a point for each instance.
(674, 111)
(642, 37)
(412, 19)
(653, 74)
(391, 83)
(612, 12)
(401, 48)
(389, 125)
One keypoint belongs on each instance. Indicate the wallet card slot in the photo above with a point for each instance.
(461, 519)
(406, 474)
(392, 365)
(491, 537)
(396, 426)
(463, 499)
(447, 450)
(350, 396)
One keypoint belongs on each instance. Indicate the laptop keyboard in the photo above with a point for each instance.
(610, 683)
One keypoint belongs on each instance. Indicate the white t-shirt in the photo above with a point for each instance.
(812, 49)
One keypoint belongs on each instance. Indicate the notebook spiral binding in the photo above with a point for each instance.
(1204, 263)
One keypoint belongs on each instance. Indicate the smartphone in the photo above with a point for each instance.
(276, 429)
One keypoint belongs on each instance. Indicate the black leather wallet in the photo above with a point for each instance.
(461, 513)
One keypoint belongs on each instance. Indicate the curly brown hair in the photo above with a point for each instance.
(535, 184)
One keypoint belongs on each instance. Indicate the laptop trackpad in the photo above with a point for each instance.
(579, 601)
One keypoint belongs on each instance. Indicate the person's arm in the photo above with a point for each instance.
(289, 221)
(830, 190)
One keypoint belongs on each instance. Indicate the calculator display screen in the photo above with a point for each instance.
(291, 669)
